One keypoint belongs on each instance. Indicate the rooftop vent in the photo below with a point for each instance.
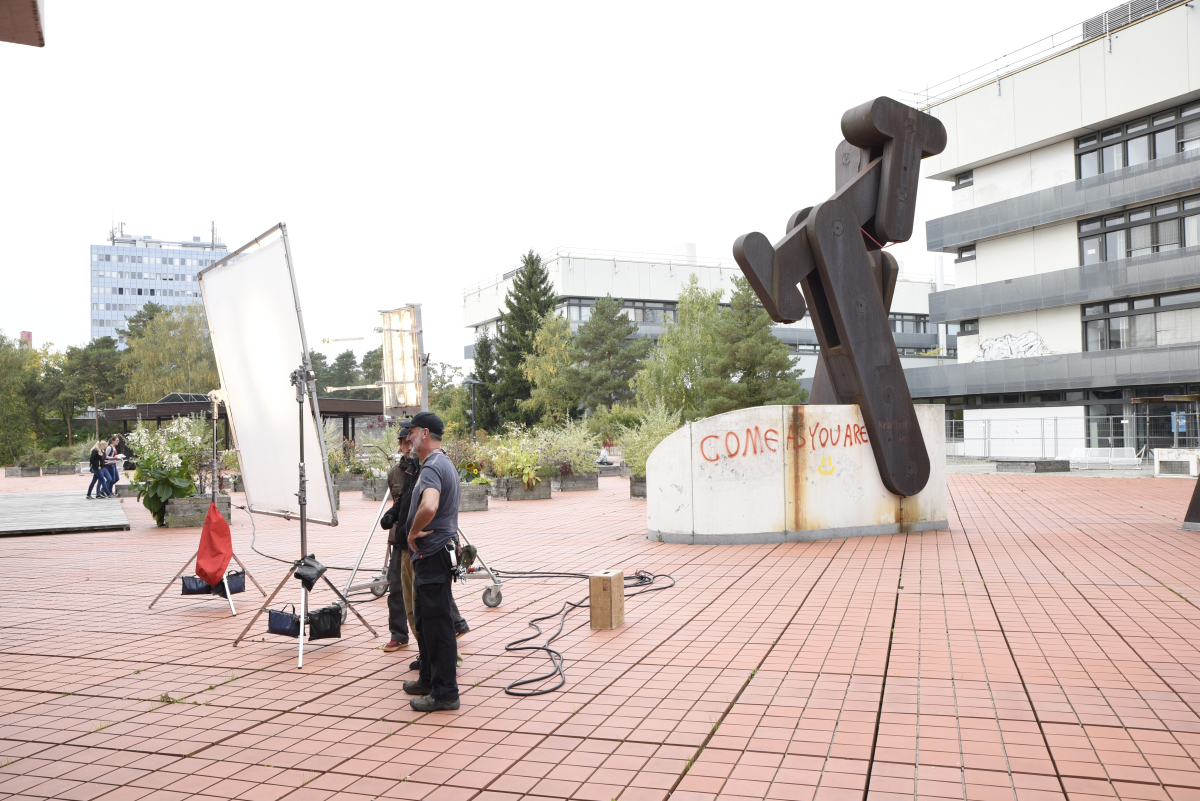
(195, 239)
(1123, 14)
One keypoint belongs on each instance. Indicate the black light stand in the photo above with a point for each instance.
(215, 396)
(301, 377)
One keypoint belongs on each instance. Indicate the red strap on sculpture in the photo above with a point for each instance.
(216, 547)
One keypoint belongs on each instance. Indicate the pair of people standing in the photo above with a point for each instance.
(424, 528)
(105, 461)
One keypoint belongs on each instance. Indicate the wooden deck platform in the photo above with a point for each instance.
(58, 513)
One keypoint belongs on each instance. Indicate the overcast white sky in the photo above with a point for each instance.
(414, 149)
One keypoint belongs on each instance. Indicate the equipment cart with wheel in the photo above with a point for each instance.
(378, 585)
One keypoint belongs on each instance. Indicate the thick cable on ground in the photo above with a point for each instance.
(641, 578)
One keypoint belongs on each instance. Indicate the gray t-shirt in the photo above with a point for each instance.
(439, 473)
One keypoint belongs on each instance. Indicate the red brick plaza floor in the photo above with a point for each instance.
(1045, 646)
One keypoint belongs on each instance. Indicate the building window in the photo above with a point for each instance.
(1145, 322)
(969, 327)
(964, 179)
(1139, 141)
(1138, 232)
(965, 253)
(909, 323)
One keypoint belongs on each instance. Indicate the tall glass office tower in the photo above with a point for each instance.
(132, 271)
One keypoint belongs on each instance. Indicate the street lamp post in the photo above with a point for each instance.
(473, 384)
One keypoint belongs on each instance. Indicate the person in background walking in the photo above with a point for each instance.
(112, 462)
(99, 476)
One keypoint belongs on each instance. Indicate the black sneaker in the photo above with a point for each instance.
(427, 703)
(416, 663)
(417, 688)
(460, 628)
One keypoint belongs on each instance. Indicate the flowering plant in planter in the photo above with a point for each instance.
(168, 459)
(638, 442)
(569, 449)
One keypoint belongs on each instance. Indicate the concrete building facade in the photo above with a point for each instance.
(649, 286)
(1076, 229)
(131, 271)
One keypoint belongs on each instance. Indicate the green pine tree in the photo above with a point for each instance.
(371, 369)
(320, 368)
(608, 351)
(529, 299)
(749, 366)
(485, 371)
(344, 372)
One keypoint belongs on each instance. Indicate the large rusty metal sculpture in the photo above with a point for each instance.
(834, 252)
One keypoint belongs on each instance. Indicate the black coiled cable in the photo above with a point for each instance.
(641, 578)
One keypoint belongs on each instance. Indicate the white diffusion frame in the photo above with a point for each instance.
(404, 383)
(257, 330)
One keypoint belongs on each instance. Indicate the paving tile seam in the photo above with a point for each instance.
(420, 718)
(1117, 633)
(717, 597)
(1020, 675)
(883, 684)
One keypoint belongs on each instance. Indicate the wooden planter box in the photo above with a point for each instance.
(374, 489)
(508, 488)
(613, 471)
(348, 481)
(233, 482)
(637, 487)
(22, 472)
(572, 483)
(125, 491)
(61, 470)
(472, 497)
(190, 512)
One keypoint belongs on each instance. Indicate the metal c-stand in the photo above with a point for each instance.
(301, 378)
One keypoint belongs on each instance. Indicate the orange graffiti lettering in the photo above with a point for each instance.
(716, 455)
(753, 439)
(812, 436)
(768, 442)
(736, 444)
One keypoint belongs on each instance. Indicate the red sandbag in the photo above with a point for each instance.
(216, 547)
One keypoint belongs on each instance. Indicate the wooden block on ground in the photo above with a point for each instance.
(606, 598)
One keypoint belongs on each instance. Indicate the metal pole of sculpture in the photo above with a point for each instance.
(834, 252)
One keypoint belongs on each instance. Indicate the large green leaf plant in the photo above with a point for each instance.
(167, 459)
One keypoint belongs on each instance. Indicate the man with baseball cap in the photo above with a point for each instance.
(432, 539)
(401, 479)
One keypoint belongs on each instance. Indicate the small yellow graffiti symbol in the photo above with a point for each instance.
(826, 467)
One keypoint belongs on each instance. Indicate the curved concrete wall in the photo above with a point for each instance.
(785, 474)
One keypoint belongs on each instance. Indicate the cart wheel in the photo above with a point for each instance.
(492, 596)
(379, 590)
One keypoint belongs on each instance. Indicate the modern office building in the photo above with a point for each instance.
(649, 286)
(1076, 230)
(131, 271)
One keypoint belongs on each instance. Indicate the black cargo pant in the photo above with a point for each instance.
(401, 617)
(434, 612)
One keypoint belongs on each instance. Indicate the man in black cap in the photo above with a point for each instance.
(432, 539)
(402, 479)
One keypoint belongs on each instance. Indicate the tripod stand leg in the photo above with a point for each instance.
(303, 621)
(172, 581)
(228, 595)
(349, 605)
(247, 572)
(266, 603)
(350, 581)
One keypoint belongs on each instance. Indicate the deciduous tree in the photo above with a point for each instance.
(95, 373)
(674, 371)
(17, 365)
(173, 354)
(556, 383)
